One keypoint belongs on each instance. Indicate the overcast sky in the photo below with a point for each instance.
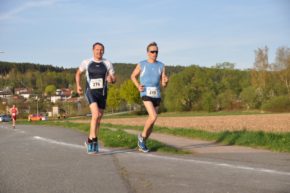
(204, 32)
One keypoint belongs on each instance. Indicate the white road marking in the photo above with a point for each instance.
(62, 143)
(8, 127)
(19, 131)
(4, 126)
(58, 142)
(262, 170)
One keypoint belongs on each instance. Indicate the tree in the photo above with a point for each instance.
(226, 99)
(129, 93)
(114, 98)
(249, 97)
(261, 65)
(277, 104)
(39, 84)
(261, 75)
(225, 65)
(208, 102)
(50, 90)
(282, 65)
(184, 90)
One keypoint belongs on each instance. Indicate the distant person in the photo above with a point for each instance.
(99, 72)
(13, 112)
(151, 73)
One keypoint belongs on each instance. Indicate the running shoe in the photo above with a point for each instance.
(96, 146)
(142, 145)
(90, 147)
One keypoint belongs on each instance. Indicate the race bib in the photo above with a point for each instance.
(13, 114)
(152, 91)
(96, 83)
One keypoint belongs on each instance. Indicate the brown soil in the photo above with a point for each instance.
(266, 122)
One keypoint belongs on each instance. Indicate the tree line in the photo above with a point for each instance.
(222, 87)
(266, 86)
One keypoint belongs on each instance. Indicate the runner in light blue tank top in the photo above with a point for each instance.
(151, 73)
(150, 78)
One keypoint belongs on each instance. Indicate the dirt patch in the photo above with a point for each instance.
(267, 122)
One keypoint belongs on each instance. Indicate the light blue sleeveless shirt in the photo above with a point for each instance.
(150, 78)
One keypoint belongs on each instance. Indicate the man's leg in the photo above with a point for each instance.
(147, 127)
(152, 116)
(97, 114)
(13, 122)
(101, 112)
(92, 143)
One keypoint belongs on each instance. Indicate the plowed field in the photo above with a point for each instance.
(263, 122)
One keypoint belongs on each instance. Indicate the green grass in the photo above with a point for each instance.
(272, 141)
(112, 138)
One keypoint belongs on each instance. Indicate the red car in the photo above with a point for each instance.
(35, 117)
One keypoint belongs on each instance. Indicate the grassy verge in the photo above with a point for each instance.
(273, 141)
(112, 138)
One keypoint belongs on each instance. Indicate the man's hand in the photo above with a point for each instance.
(140, 87)
(110, 79)
(164, 80)
(79, 90)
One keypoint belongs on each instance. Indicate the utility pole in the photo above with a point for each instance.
(37, 107)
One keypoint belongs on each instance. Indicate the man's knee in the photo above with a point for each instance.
(153, 118)
(95, 116)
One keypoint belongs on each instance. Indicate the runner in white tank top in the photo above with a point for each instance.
(99, 71)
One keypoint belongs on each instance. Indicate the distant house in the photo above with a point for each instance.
(58, 92)
(24, 92)
(73, 100)
(5, 94)
(53, 99)
(61, 94)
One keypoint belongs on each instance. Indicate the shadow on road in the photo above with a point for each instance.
(202, 145)
(118, 151)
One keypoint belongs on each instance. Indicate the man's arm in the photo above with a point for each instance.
(78, 82)
(134, 75)
(164, 78)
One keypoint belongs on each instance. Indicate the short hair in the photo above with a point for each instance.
(151, 44)
(100, 44)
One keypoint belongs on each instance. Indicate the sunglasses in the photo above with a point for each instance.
(154, 52)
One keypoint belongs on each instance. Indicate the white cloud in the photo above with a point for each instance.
(26, 6)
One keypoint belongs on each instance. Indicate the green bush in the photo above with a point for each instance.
(277, 104)
(208, 102)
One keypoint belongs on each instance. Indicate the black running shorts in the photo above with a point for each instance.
(155, 101)
(95, 97)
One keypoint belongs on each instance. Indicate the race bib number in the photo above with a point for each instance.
(152, 91)
(13, 114)
(96, 83)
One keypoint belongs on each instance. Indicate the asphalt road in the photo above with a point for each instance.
(46, 159)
